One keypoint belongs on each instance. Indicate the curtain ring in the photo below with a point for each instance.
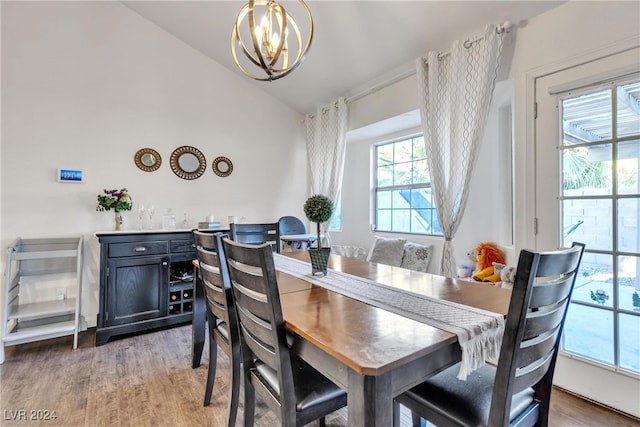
(467, 43)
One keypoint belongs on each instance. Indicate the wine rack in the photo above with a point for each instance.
(181, 288)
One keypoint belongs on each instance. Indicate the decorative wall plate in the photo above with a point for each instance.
(188, 162)
(222, 166)
(147, 159)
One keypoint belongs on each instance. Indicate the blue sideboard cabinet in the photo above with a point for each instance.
(146, 281)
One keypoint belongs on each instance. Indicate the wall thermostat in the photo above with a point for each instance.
(70, 175)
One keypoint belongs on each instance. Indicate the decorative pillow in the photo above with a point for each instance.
(417, 257)
(349, 251)
(387, 251)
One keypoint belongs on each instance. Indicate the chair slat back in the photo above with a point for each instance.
(257, 234)
(255, 290)
(215, 276)
(206, 240)
(267, 363)
(213, 285)
(539, 302)
(540, 322)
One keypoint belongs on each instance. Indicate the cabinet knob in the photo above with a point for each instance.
(140, 249)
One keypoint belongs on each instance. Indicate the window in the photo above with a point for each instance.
(335, 223)
(403, 197)
(600, 205)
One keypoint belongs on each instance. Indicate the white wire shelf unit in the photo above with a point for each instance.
(43, 285)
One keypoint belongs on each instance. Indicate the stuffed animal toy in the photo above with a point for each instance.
(486, 255)
(508, 274)
(507, 277)
(497, 268)
(466, 269)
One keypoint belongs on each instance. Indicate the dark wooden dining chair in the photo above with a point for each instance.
(221, 316)
(257, 234)
(517, 391)
(295, 392)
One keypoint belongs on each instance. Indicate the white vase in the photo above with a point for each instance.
(118, 220)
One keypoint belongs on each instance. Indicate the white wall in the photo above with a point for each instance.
(87, 84)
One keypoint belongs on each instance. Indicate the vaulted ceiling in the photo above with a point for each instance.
(356, 45)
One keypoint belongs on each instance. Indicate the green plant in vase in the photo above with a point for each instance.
(118, 200)
(318, 209)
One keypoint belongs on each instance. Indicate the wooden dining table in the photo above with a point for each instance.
(370, 352)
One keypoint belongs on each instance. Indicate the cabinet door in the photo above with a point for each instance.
(137, 289)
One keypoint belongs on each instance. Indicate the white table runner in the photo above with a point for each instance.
(479, 331)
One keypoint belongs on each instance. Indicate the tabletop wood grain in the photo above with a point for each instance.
(371, 340)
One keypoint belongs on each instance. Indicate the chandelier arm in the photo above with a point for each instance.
(245, 72)
(236, 37)
(310, 38)
(245, 51)
(299, 54)
(256, 45)
(281, 17)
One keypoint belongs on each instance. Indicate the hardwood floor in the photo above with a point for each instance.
(147, 380)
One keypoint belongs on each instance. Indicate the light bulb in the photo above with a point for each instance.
(258, 32)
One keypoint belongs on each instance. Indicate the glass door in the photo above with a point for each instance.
(587, 190)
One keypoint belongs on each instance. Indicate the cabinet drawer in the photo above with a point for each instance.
(185, 245)
(138, 248)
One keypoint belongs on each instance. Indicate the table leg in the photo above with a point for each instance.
(198, 321)
(370, 401)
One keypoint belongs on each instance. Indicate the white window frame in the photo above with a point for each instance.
(377, 189)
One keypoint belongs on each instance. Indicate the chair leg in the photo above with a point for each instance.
(249, 402)
(232, 412)
(396, 414)
(415, 419)
(213, 362)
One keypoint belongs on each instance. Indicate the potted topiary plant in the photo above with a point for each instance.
(318, 209)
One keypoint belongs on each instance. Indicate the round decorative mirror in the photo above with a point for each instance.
(222, 166)
(147, 159)
(188, 162)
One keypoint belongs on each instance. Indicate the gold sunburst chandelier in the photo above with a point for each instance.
(274, 44)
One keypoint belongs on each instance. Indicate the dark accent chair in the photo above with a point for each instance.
(295, 392)
(257, 234)
(517, 391)
(221, 316)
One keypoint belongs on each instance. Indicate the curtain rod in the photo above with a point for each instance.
(500, 28)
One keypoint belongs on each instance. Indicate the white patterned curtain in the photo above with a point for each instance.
(455, 91)
(326, 145)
